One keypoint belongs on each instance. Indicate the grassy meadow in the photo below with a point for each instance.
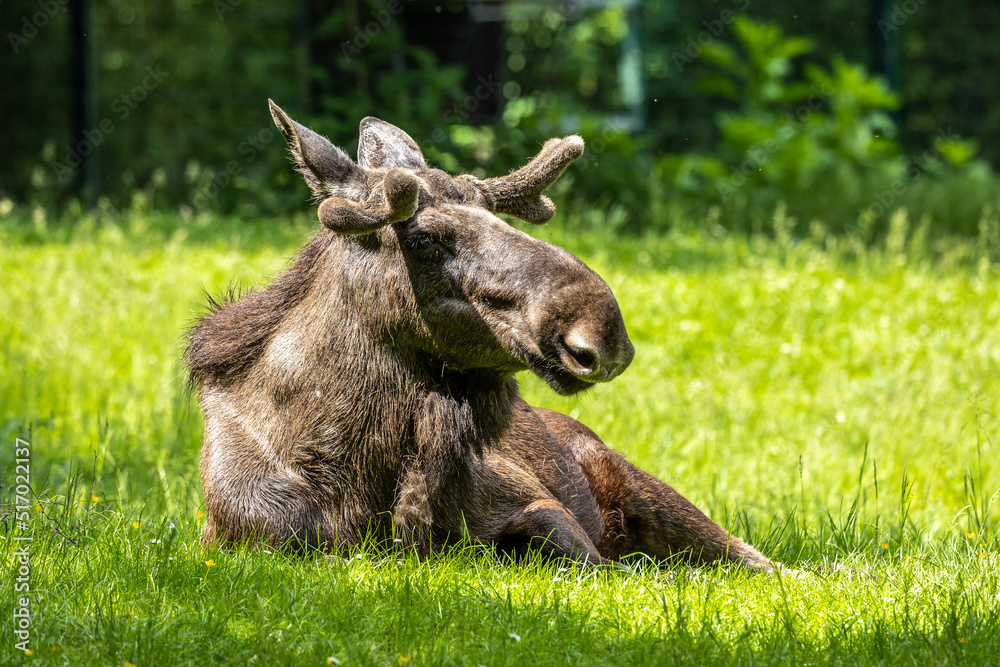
(826, 400)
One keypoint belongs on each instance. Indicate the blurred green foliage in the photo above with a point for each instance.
(197, 133)
(562, 78)
(945, 60)
(739, 118)
(816, 137)
(820, 142)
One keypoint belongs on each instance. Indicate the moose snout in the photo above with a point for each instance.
(578, 330)
(595, 356)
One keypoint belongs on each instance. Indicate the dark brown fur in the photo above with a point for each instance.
(370, 387)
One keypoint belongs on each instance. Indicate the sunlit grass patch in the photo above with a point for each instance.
(830, 403)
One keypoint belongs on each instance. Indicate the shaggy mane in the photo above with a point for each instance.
(231, 333)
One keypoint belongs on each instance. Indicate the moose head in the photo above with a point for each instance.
(451, 283)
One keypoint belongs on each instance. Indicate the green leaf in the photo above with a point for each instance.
(957, 152)
(723, 56)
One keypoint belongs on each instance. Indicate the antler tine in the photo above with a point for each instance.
(394, 201)
(520, 192)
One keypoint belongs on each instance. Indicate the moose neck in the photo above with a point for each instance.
(362, 346)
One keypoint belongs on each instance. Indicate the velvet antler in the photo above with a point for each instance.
(394, 200)
(520, 192)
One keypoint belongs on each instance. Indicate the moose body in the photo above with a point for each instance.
(370, 387)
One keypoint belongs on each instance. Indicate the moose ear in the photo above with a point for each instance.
(328, 170)
(382, 144)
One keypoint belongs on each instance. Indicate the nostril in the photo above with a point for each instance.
(592, 358)
(581, 358)
(586, 358)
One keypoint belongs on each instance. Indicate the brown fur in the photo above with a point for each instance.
(371, 386)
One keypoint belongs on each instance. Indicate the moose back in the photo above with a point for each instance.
(370, 387)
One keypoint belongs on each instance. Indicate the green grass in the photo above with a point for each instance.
(827, 401)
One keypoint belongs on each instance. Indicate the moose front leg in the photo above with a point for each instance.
(547, 527)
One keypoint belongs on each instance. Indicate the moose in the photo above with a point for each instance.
(370, 388)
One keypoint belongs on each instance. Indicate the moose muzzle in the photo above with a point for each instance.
(582, 332)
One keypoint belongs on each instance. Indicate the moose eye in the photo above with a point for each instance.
(424, 241)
